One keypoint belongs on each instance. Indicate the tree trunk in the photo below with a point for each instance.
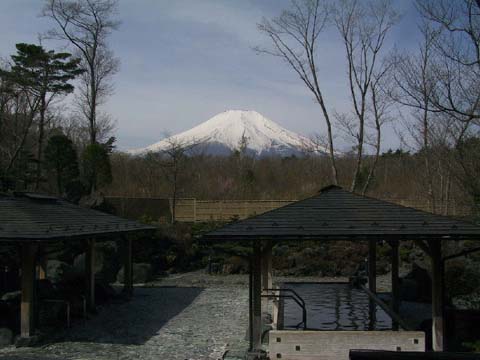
(41, 130)
(331, 150)
(93, 104)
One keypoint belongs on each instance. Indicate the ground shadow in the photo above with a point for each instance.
(136, 321)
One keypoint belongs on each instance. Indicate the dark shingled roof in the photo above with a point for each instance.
(338, 214)
(40, 217)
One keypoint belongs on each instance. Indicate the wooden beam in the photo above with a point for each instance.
(127, 267)
(409, 355)
(256, 297)
(267, 276)
(90, 273)
(42, 263)
(267, 282)
(438, 321)
(395, 281)
(27, 316)
(387, 309)
(462, 253)
(372, 265)
(372, 279)
(250, 303)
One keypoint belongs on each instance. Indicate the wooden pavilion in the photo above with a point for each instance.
(32, 221)
(337, 214)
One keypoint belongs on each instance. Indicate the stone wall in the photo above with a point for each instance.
(335, 345)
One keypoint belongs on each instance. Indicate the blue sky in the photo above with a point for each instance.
(184, 61)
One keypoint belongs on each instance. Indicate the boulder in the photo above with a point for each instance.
(14, 296)
(30, 341)
(235, 265)
(58, 270)
(416, 285)
(6, 337)
(107, 262)
(142, 273)
(467, 302)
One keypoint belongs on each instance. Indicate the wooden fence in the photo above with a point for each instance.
(193, 210)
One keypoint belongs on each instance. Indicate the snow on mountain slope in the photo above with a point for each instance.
(223, 133)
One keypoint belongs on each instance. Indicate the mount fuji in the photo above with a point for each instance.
(223, 133)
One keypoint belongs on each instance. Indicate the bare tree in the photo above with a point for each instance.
(86, 24)
(294, 36)
(458, 46)
(415, 82)
(450, 99)
(363, 26)
(172, 160)
(380, 107)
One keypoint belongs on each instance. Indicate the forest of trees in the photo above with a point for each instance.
(430, 94)
(43, 147)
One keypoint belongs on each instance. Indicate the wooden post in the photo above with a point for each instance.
(195, 210)
(372, 278)
(27, 316)
(395, 305)
(256, 297)
(267, 281)
(250, 303)
(90, 273)
(42, 263)
(267, 275)
(128, 268)
(438, 324)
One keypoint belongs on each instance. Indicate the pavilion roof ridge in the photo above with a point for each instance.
(40, 217)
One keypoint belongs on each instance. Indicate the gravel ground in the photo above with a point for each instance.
(183, 316)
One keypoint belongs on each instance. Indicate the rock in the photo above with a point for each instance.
(235, 265)
(467, 302)
(142, 273)
(214, 268)
(280, 250)
(58, 270)
(13, 296)
(416, 285)
(6, 337)
(26, 341)
(79, 263)
(308, 252)
(107, 262)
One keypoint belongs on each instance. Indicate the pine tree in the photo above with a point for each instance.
(45, 74)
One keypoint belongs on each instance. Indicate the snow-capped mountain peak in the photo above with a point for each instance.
(224, 132)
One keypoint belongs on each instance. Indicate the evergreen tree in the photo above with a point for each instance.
(61, 157)
(96, 166)
(45, 74)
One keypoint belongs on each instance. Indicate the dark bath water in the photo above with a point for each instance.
(333, 307)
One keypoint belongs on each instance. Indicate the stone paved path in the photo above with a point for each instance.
(191, 316)
(161, 322)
